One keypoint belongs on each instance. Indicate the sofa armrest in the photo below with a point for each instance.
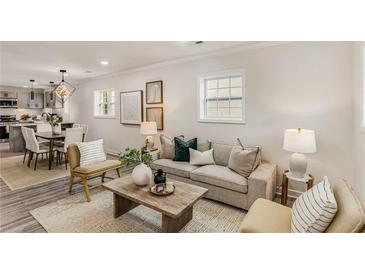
(262, 180)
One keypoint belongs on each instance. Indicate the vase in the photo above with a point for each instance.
(142, 175)
(56, 130)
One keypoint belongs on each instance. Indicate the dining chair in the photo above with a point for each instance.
(85, 128)
(27, 145)
(34, 147)
(73, 135)
(43, 127)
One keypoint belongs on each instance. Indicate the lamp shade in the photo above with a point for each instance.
(148, 128)
(300, 140)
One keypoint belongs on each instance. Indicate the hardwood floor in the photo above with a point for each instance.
(15, 205)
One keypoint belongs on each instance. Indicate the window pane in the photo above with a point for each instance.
(211, 84)
(211, 93)
(236, 104)
(211, 112)
(236, 81)
(223, 103)
(223, 112)
(223, 83)
(211, 104)
(236, 112)
(223, 92)
(236, 92)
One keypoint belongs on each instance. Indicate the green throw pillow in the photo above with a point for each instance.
(182, 148)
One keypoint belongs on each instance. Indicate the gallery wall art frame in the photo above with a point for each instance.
(131, 107)
(154, 92)
(155, 114)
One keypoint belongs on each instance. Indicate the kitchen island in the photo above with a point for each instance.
(16, 139)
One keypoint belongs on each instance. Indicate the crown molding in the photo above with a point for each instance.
(252, 46)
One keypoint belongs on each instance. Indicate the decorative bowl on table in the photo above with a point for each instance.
(163, 189)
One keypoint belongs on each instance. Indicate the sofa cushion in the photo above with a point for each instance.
(167, 147)
(242, 160)
(98, 166)
(267, 217)
(181, 169)
(221, 153)
(204, 145)
(182, 148)
(220, 176)
(198, 158)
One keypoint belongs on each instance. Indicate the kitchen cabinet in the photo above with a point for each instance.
(23, 100)
(51, 101)
(37, 101)
(8, 94)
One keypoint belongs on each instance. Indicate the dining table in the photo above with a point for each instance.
(51, 137)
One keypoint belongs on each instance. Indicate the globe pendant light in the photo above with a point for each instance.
(64, 90)
(31, 91)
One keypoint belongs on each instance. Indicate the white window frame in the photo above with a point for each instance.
(104, 116)
(201, 91)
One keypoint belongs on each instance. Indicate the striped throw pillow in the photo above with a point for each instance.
(91, 152)
(315, 209)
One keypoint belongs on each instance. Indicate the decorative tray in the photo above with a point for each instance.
(169, 189)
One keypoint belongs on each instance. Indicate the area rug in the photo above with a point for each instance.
(73, 214)
(17, 175)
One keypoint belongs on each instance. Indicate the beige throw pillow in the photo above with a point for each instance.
(198, 158)
(91, 152)
(167, 147)
(243, 160)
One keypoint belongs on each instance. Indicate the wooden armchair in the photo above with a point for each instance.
(89, 171)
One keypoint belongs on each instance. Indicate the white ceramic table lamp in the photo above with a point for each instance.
(299, 141)
(148, 129)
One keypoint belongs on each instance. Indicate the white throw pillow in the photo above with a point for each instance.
(91, 152)
(198, 158)
(315, 209)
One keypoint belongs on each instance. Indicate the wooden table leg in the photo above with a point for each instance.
(284, 189)
(310, 182)
(174, 225)
(122, 205)
(50, 159)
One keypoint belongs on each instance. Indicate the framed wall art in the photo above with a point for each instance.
(154, 92)
(131, 107)
(155, 114)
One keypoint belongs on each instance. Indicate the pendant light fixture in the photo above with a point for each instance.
(64, 89)
(31, 91)
(51, 84)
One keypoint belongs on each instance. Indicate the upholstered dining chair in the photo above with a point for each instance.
(85, 128)
(43, 127)
(34, 146)
(27, 144)
(73, 135)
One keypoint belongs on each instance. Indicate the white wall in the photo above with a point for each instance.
(304, 84)
(359, 135)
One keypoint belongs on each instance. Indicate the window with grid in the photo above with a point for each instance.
(104, 101)
(222, 97)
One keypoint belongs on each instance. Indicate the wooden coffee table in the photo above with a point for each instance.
(176, 209)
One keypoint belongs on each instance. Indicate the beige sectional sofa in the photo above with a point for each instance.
(223, 184)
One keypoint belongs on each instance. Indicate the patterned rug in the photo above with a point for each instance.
(73, 214)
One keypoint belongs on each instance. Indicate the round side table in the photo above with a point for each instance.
(308, 179)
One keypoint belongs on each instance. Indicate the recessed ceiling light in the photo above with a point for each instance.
(88, 71)
(104, 63)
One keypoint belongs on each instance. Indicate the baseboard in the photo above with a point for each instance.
(112, 152)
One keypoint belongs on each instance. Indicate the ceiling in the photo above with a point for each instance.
(41, 61)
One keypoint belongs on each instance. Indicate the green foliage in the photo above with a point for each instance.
(135, 156)
(53, 119)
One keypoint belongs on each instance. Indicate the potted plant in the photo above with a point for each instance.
(55, 121)
(142, 173)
